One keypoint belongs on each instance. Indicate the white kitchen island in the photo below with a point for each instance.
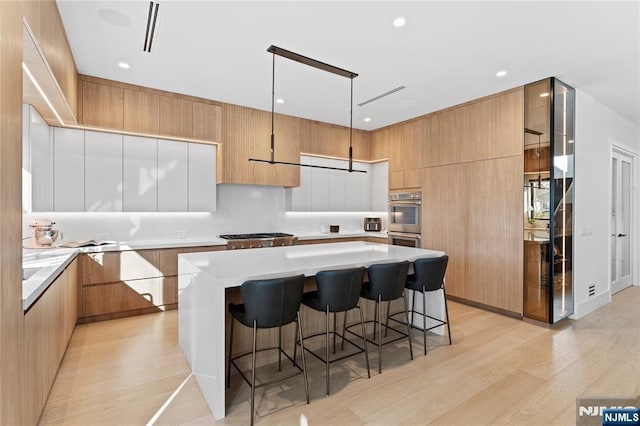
(203, 278)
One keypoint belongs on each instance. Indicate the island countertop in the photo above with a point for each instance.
(203, 278)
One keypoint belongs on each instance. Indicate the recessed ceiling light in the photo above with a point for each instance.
(367, 119)
(501, 73)
(280, 100)
(123, 65)
(399, 22)
(544, 95)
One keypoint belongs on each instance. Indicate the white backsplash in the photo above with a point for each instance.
(241, 209)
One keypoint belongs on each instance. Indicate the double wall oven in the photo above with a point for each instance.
(405, 209)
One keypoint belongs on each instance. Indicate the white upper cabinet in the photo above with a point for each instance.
(103, 172)
(37, 167)
(68, 170)
(379, 186)
(339, 190)
(173, 176)
(140, 174)
(202, 177)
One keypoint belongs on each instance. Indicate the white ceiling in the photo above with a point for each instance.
(446, 54)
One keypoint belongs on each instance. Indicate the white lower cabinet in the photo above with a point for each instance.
(337, 190)
(202, 177)
(68, 170)
(140, 174)
(103, 172)
(173, 176)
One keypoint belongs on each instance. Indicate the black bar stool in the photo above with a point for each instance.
(428, 276)
(267, 304)
(338, 291)
(386, 283)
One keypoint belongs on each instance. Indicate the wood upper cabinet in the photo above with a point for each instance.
(329, 140)
(405, 144)
(141, 112)
(444, 140)
(207, 122)
(102, 105)
(246, 134)
(120, 106)
(478, 130)
(176, 117)
(508, 118)
(46, 26)
(379, 146)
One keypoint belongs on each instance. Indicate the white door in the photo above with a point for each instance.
(621, 201)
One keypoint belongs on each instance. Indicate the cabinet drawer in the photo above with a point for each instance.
(169, 258)
(121, 266)
(135, 294)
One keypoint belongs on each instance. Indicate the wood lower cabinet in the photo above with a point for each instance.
(48, 326)
(127, 283)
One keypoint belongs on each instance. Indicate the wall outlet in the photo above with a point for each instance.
(183, 234)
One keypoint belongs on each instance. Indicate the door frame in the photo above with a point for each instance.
(635, 209)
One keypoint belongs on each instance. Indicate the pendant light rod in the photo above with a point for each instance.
(274, 50)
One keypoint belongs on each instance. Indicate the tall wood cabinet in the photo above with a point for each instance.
(48, 325)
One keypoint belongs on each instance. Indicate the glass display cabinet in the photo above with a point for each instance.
(549, 111)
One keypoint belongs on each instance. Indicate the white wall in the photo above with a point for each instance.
(597, 128)
(241, 209)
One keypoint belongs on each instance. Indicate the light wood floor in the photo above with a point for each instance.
(498, 371)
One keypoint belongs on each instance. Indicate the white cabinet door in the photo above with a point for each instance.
(379, 186)
(319, 186)
(337, 185)
(140, 174)
(40, 163)
(300, 197)
(103, 172)
(68, 170)
(173, 176)
(202, 177)
(358, 188)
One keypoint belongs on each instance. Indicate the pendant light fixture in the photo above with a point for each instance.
(274, 50)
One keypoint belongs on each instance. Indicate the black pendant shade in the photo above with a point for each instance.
(321, 66)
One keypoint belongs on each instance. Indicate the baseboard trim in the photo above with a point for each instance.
(591, 304)
(489, 308)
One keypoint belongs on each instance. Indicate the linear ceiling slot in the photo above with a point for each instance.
(382, 95)
(152, 19)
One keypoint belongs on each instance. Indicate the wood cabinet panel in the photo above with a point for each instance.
(176, 117)
(125, 296)
(451, 129)
(207, 122)
(141, 112)
(445, 220)
(102, 105)
(396, 180)
(478, 130)
(494, 254)
(379, 145)
(412, 142)
(413, 178)
(48, 326)
(508, 124)
(100, 268)
(247, 135)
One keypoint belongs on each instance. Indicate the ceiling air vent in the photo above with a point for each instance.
(382, 95)
(152, 19)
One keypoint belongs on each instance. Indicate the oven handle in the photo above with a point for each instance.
(405, 203)
(403, 235)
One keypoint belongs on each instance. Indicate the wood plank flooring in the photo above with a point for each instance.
(499, 370)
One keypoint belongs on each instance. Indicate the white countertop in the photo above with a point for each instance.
(231, 268)
(42, 266)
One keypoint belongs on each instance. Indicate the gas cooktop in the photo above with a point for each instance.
(255, 236)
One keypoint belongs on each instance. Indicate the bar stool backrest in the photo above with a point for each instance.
(273, 302)
(430, 272)
(388, 279)
(340, 289)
